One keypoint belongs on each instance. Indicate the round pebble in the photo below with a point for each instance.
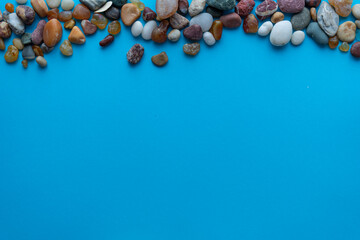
(281, 33)
(174, 35)
(265, 29)
(136, 29)
(67, 5)
(209, 39)
(297, 38)
(346, 31)
(41, 61)
(18, 44)
(301, 20)
(204, 20)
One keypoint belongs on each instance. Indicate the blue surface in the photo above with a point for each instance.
(244, 141)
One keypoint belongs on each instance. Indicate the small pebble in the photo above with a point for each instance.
(11, 54)
(301, 20)
(191, 48)
(107, 41)
(135, 54)
(65, 16)
(231, 20)
(114, 27)
(317, 34)
(37, 35)
(356, 11)
(81, 12)
(177, 21)
(18, 44)
(196, 7)
(53, 3)
(53, 14)
(209, 39)
(204, 20)
(297, 38)
(265, 29)
(52, 33)
(148, 14)
(277, 17)
(26, 38)
(66, 48)
(174, 35)
(244, 7)
(76, 36)
(41, 61)
(67, 5)
(21, 1)
(99, 20)
(193, 33)
(160, 60)
(342, 7)
(313, 14)
(40, 7)
(16, 24)
(136, 29)
(26, 14)
(183, 6)
(37, 50)
(9, 7)
(328, 19)
(251, 24)
(129, 14)
(217, 29)
(333, 42)
(355, 50)
(113, 13)
(24, 63)
(71, 23)
(45, 48)
(159, 34)
(28, 53)
(344, 47)
(266, 9)
(346, 32)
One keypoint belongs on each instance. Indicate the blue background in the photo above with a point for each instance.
(244, 141)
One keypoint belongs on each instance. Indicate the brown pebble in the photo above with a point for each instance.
(129, 14)
(191, 48)
(52, 33)
(216, 29)
(65, 16)
(231, 20)
(2, 44)
(76, 36)
(25, 63)
(313, 14)
(37, 50)
(40, 7)
(81, 12)
(160, 59)
(107, 41)
(277, 17)
(159, 34)
(70, 24)
(53, 13)
(88, 27)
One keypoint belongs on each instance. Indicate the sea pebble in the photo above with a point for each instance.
(41, 61)
(53, 3)
(159, 34)
(231, 20)
(12, 54)
(291, 6)
(26, 14)
(313, 14)
(193, 33)
(178, 21)
(119, 3)
(15, 23)
(160, 59)
(28, 53)
(136, 29)
(107, 40)
(344, 47)
(93, 5)
(217, 29)
(113, 13)
(251, 24)
(26, 38)
(45, 48)
(357, 23)
(40, 7)
(224, 5)
(76, 36)
(265, 29)
(205, 21)
(209, 38)
(301, 20)
(81, 12)
(356, 11)
(174, 35)
(37, 35)
(148, 14)
(216, 13)
(244, 7)
(129, 14)
(166, 8)
(191, 49)
(333, 42)
(196, 7)
(297, 38)
(355, 50)
(105, 7)
(67, 5)
(148, 29)
(18, 44)
(281, 33)
(88, 27)
(342, 7)
(266, 9)
(317, 34)
(52, 33)
(2, 44)
(183, 6)
(277, 17)
(114, 28)
(346, 32)
(328, 19)
(135, 54)
(66, 48)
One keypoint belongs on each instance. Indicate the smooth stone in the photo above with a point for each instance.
(137, 28)
(297, 38)
(41, 61)
(166, 8)
(135, 54)
(342, 7)
(231, 20)
(21, 1)
(266, 9)
(26, 14)
(357, 23)
(53, 3)
(113, 13)
(129, 14)
(148, 29)
(312, 3)
(356, 11)
(37, 35)
(160, 59)
(88, 27)
(5, 30)
(52, 33)
(209, 38)
(93, 5)
(193, 33)
(196, 7)
(148, 14)
(15, 23)
(216, 13)
(174, 35)
(301, 20)
(191, 49)
(67, 5)
(107, 41)
(28, 53)
(205, 21)
(119, 3)
(265, 29)
(1, 16)
(277, 17)
(291, 6)
(183, 6)
(76, 36)
(17, 43)
(313, 14)
(104, 8)
(328, 19)
(40, 7)
(355, 50)
(26, 38)
(244, 7)
(317, 34)
(177, 21)
(224, 5)
(281, 33)
(66, 48)
(346, 32)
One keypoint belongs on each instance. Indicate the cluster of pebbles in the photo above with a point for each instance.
(319, 19)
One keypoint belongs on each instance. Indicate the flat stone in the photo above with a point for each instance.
(26, 38)
(328, 19)
(178, 21)
(28, 53)
(129, 14)
(37, 35)
(160, 59)
(113, 13)
(266, 9)
(291, 6)
(317, 34)
(265, 29)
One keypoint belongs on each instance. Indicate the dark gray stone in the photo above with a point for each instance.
(301, 20)
(224, 5)
(316, 33)
(113, 13)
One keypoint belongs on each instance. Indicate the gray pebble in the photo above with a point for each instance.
(316, 33)
(28, 53)
(328, 19)
(301, 20)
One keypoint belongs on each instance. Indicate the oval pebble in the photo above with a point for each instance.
(297, 38)
(265, 29)
(67, 5)
(204, 20)
(174, 35)
(53, 3)
(209, 39)
(41, 61)
(281, 33)
(148, 29)
(136, 29)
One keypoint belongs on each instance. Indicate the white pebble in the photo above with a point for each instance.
(297, 38)
(209, 38)
(136, 28)
(67, 5)
(148, 29)
(205, 21)
(265, 29)
(53, 3)
(41, 61)
(356, 11)
(21, 1)
(174, 35)
(281, 33)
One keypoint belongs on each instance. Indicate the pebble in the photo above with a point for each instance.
(204, 20)
(25, 63)
(37, 35)
(216, 13)
(52, 33)
(9, 7)
(53, 3)
(2, 44)
(148, 29)
(66, 48)
(355, 50)
(21, 1)
(18, 44)
(277, 17)
(317, 34)
(67, 5)
(342, 7)
(196, 7)
(346, 32)
(129, 14)
(99, 20)
(297, 38)
(193, 33)
(135, 54)
(26, 14)
(81, 12)
(183, 6)
(291, 6)
(53, 13)
(37, 50)
(26, 38)
(41, 61)
(45, 48)
(113, 13)
(11, 54)
(160, 59)
(217, 29)
(70, 24)
(17, 26)
(93, 5)
(65, 16)
(137, 28)
(231, 20)
(177, 21)
(244, 7)
(328, 19)
(159, 34)
(166, 8)
(251, 24)
(119, 3)
(107, 41)
(344, 47)
(265, 29)
(312, 3)
(104, 8)
(209, 38)
(191, 48)
(224, 5)
(301, 20)
(88, 27)
(356, 11)
(40, 7)
(28, 53)
(5, 30)
(76, 36)
(114, 28)
(174, 35)
(148, 14)
(281, 33)
(313, 14)
(333, 42)
(266, 9)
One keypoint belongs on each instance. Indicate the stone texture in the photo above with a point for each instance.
(177, 21)
(40, 7)
(244, 7)
(342, 7)
(76, 36)
(166, 8)
(5, 30)
(217, 29)
(266, 9)
(88, 27)
(291, 6)
(328, 19)
(183, 6)
(193, 33)
(346, 32)
(355, 50)
(52, 33)
(129, 14)
(81, 12)
(196, 7)
(93, 5)
(250, 24)
(281, 33)
(191, 49)
(37, 35)
(26, 14)
(231, 20)
(159, 34)
(160, 59)
(135, 54)
(148, 14)
(301, 20)
(17, 26)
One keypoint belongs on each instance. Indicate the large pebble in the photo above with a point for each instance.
(291, 6)
(136, 29)
(15, 23)
(346, 32)
(135, 54)
(266, 9)
(37, 35)
(67, 5)
(265, 29)
(356, 11)
(297, 38)
(224, 5)
(342, 7)
(93, 5)
(205, 21)
(166, 8)
(317, 34)
(52, 33)
(148, 29)
(196, 7)
(129, 14)
(281, 33)
(328, 19)
(53, 3)
(231, 20)
(209, 38)
(301, 20)
(40, 7)
(76, 36)
(178, 21)
(88, 27)
(355, 50)
(26, 14)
